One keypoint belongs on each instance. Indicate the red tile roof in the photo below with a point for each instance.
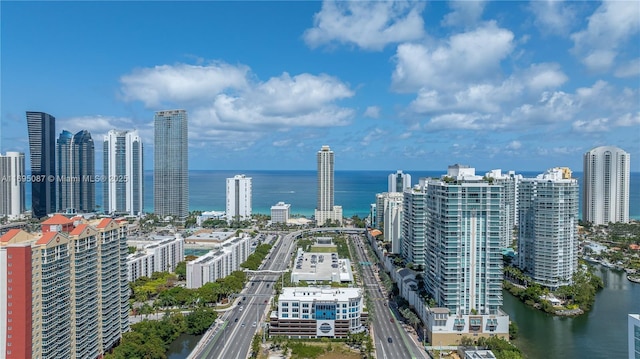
(46, 237)
(104, 223)
(79, 229)
(58, 219)
(10, 234)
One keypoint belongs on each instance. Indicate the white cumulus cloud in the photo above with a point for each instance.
(370, 25)
(464, 57)
(608, 29)
(372, 111)
(553, 16)
(464, 13)
(228, 106)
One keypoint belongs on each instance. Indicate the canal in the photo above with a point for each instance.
(601, 333)
(182, 347)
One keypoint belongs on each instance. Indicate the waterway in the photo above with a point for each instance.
(601, 333)
(181, 347)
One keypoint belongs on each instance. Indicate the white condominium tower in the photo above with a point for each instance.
(325, 209)
(413, 231)
(548, 238)
(510, 182)
(399, 181)
(170, 164)
(12, 190)
(123, 190)
(238, 198)
(463, 259)
(606, 185)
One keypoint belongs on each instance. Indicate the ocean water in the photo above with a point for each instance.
(354, 190)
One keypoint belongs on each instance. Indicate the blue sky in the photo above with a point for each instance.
(404, 85)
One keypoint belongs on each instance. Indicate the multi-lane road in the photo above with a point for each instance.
(233, 340)
(390, 339)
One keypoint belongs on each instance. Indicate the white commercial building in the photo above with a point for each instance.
(280, 212)
(162, 255)
(12, 180)
(313, 312)
(238, 198)
(318, 267)
(218, 263)
(606, 185)
(548, 230)
(123, 192)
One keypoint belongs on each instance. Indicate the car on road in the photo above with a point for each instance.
(254, 324)
(235, 321)
(243, 324)
(392, 321)
(265, 301)
(390, 340)
(385, 304)
(253, 283)
(241, 308)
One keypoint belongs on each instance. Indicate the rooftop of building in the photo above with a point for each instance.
(209, 236)
(319, 294)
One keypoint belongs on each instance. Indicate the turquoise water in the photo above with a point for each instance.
(354, 190)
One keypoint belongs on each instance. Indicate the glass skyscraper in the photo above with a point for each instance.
(170, 164)
(325, 208)
(123, 191)
(42, 145)
(76, 172)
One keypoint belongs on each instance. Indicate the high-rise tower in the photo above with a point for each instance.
(12, 185)
(325, 208)
(399, 181)
(463, 258)
(238, 198)
(548, 232)
(606, 185)
(123, 192)
(42, 145)
(170, 164)
(76, 172)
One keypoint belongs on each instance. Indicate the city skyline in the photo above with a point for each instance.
(510, 84)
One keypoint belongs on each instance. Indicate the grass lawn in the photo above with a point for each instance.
(315, 249)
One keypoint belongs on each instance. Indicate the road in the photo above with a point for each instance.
(385, 323)
(234, 340)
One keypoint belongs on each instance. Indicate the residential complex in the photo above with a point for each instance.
(75, 159)
(64, 290)
(391, 208)
(220, 262)
(463, 271)
(42, 146)
(510, 182)
(605, 197)
(170, 164)
(12, 191)
(399, 181)
(325, 208)
(312, 312)
(123, 166)
(162, 255)
(280, 212)
(413, 235)
(238, 198)
(548, 232)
